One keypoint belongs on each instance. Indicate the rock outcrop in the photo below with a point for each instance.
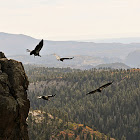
(14, 105)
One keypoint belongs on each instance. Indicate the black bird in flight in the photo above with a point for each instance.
(37, 49)
(61, 59)
(100, 88)
(46, 97)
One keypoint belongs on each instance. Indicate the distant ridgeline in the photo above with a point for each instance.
(115, 111)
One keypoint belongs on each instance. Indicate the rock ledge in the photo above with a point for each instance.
(14, 105)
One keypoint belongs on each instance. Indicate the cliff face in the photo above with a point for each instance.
(14, 105)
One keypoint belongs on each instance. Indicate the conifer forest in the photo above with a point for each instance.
(113, 113)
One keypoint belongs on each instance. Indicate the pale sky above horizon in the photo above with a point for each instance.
(71, 19)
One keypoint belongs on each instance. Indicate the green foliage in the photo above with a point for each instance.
(115, 111)
(43, 126)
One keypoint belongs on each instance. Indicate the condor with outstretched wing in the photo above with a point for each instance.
(61, 59)
(37, 49)
(46, 97)
(100, 88)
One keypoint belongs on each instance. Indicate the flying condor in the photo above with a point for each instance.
(100, 88)
(46, 97)
(61, 59)
(37, 49)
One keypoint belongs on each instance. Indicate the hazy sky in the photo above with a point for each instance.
(71, 19)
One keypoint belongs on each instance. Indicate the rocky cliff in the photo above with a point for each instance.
(14, 105)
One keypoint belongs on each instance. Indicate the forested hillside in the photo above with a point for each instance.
(115, 111)
(44, 126)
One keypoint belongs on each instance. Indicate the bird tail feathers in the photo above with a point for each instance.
(28, 50)
(39, 97)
